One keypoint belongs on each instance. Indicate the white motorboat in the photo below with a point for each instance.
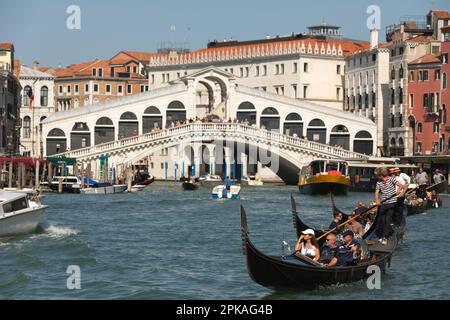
(220, 192)
(117, 188)
(210, 180)
(252, 181)
(20, 213)
(70, 184)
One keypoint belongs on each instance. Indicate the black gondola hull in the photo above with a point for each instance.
(189, 186)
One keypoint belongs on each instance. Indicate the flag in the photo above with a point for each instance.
(30, 97)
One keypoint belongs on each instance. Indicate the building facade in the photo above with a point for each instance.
(305, 67)
(9, 101)
(34, 111)
(445, 91)
(100, 80)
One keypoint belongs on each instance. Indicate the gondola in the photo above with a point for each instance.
(432, 204)
(190, 185)
(416, 209)
(295, 271)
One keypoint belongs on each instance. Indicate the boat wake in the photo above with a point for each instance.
(59, 232)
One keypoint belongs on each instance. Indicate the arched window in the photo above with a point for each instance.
(26, 127)
(176, 105)
(317, 131)
(400, 72)
(104, 131)
(80, 137)
(152, 119)
(444, 80)
(340, 137)
(316, 123)
(246, 106)
(393, 73)
(128, 125)
(270, 111)
(293, 125)
(25, 97)
(44, 96)
(419, 127)
(363, 142)
(400, 142)
(340, 129)
(393, 142)
(56, 142)
(270, 119)
(128, 116)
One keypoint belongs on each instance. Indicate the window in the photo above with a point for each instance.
(393, 73)
(162, 165)
(277, 69)
(44, 96)
(400, 95)
(60, 90)
(282, 68)
(392, 96)
(401, 50)
(294, 91)
(129, 89)
(111, 71)
(142, 88)
(120, 89)
(108, 88)
(128, 69)
(295, 67)
(419, 76)
(419, 147)
(152, 79)
(425, 100)
(411, 100)
(257, 71)
(436, 127)
(400, 72)
(94, 72)
(444, 81)
(26, 127)
(163, 78)
(338, 69)
(241, 70)
(305, 67)
(425, 75)
(445, 58)
(86, 88)
(246, 72)
(96, 88)
(437, 74)
(76, 88)
(134, 69)
(338, 93)
(100, 72)
(411, 76)
(264, 70)
(374, 57)
(68, 89)
(178, 75)
(419, 127)
(305, 89)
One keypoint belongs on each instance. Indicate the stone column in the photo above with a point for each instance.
(244, 163)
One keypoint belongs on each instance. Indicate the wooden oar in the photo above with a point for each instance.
(355, 217)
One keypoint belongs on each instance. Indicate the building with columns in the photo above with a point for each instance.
(9, 101)
(114, 124)
(33, 112)
(307, 67)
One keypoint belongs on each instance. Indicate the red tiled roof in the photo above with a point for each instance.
(138, 55)
(429, 58)
(420, 38)
(6, 46)
(441, 14)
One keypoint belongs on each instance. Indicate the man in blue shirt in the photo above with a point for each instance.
(228, 183)
(345, 253)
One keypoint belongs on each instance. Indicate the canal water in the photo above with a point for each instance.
(166, 243)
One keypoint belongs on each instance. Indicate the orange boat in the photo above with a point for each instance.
(324, 177)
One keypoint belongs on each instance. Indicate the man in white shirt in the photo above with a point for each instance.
(438, 177)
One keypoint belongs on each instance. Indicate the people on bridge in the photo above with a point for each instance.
(307, 245)
(347, 253)
(387, 186)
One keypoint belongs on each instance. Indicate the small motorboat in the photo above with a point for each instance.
(141, 185)
(251, 181)
(70, 184)
(190, 184)
(210, 180)
(110, 189)
(220, 192)
(20, 213)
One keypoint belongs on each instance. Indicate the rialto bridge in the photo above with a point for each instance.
(267, 130)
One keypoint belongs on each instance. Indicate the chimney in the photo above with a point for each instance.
(373, 38)
(35, 65)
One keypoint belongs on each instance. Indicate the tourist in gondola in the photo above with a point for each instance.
(355, 226)
(388, 187)
(307, 245)
(329, 250)
(345, 253)
(336, 221)
(360, 208)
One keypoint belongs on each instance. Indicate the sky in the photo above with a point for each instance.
(38, 28)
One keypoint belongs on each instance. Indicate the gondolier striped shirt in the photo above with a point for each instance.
(387, 189)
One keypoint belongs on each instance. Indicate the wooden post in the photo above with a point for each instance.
(3, 172)
(50, 172)
(10, 177)
(37, 175)
(19, 177)
(117, 174)
(44, 169)
(82, 175)
(129, 179)
(60, 185)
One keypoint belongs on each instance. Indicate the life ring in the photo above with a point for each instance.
(357, 179)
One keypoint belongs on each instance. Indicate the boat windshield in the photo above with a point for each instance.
(16, 205)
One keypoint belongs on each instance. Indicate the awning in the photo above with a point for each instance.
(62, 160)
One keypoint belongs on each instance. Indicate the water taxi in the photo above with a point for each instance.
(324, 177)
(220, 192)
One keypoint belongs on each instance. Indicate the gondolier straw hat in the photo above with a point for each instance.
(394, 170)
